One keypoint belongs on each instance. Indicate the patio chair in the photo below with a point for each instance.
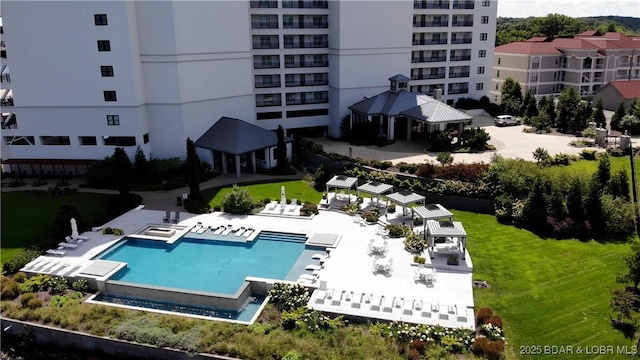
(176, 218)
(67, 245)
(167, 217)
(58, 252)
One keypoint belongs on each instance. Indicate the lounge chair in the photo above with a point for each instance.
(307, 277)
(314, 267)
(376, 302)
(167, 217)
(176, 217)
(201, 230)
(408, 307)
(58, 252)
(387, 304)
(68, 245)
(356, 301)
(248, 232)
(321, 292)
(336, 299)
(196, 228)
(219, 230)
(80, 238)
(320, 257)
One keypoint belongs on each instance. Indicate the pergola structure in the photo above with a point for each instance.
(374, 188)
(431, 212)
(341, 182)
(446, 229)
(404, 198)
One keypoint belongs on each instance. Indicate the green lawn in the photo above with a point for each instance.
(27, 214)
(548, 292)
(296, 189)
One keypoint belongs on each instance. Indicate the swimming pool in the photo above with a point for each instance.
(205, 265)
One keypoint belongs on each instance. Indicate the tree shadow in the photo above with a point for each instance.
(627, 329)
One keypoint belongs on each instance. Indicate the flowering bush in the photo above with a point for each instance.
(288, 296)
(311, 320)
(414, 243)
(491, 332)
(397, 231)
(458, 340)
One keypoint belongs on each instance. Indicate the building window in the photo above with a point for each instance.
(287, 20)
(55, 140)
(267, 80)
(289, 79)
(145, 138)
(107, 71)
(265, 41)
(479, 86)
(268, 98)
(483, 36)
(288, 41)
(498, 74)
(266, 61)
(113, 120)
(318, 59)
(496, 86)
(486, 2)
(88, 140)
(317, 21)
(110, 95)
(482, 53)
(480, 69)
(264, 21)
(104, 45)
(100, 19)
(484, 20)
(318, 40)
(288, 60)
(291, 97)
(535, 63)
(119, 140)
(499, 61)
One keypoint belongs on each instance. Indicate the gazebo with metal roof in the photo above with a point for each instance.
(341, 182)
(374, 188)
(404, 198)
(237, 137)
(446, 229)
(431, 212)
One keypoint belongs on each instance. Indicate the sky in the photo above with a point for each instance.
(573, 8)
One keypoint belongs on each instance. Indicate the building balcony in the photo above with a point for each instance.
(306, 45)
(624, 65)
(460, 58)
(272, 65)
(462, 23)
(427, 24)
(599, 66)
(8, 101)
(297, 101)
(262, 103)
(430, 42)
(5, 78)
(264, 25)
(306, 25)
(9, 121)
(598, 79)
(262, 4)
(303, 64)
(302, 82)
(3, 54)
(271, 45)
(426, 4)
(453, 91)
(429, 59)
(463, 5)
(299, 4)
(271, 84)
(458, 74)
(428, 76)
(461, 41)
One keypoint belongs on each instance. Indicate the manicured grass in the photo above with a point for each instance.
(548, 292)
(26, 215)
(296, 189)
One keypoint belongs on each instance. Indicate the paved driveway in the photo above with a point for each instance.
(510, 142)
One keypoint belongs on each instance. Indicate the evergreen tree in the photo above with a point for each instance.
(123, 170)
(535, 210)
(603, 174)
(633, 267)
(511, 96)
(140, 165)
(576, 205)
(619, 184)
(281, 150)
(621, 111)
(193, 171)
(598, 115)
(568, 103)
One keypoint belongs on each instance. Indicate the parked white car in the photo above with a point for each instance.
(504, 120)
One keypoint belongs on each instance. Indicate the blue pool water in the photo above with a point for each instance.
(245, 314)
(206, 265)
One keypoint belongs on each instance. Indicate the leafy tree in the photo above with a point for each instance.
(584, 114)
(281, 150)
(621, 111)
(618, 216)
(568, 103)
(541, 122)
(633, 267)
(634, 109)
(238, 201)
(61, 225)
(530, 106)
(598, 115)
(619, 185)
(546, 106)
(140, 165)
(541, 155)
(511, 96)
(576, 205)
(193, 171)
(123, 170)
(535, 208)
(603, 174)
(630, 123)
(558, 25)
(622, 302)
(476, 138)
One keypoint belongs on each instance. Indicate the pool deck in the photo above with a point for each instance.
(347, 271)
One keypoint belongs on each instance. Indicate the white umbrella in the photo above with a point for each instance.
(74, 228)
(283, 197)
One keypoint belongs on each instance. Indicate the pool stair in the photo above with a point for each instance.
(278, 236)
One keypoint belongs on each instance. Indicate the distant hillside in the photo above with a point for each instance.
(518, 29)
(631, 23)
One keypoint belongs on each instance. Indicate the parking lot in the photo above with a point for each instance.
(510, 142)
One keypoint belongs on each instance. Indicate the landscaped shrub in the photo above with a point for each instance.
(34, 303)
(588, 154)
(19, 277)
(417, 221)
(492, 350)
(371, 216)
(196, 206)
(238, 201)
(404, 333)
(427, 170)
(496, 321)
(419, 259)
(58, 285)
(266, 201)
(26, 297)
(9, 289)
(148, 330)
(62, 300)
(397, 230)
(484, 315)
(445, 158)
(476, 138)
(439, 140)
(19, 260)
(38, 282)
(618, 216)
(471, 172)
(288, 296)
(414, 243)
(309, 209)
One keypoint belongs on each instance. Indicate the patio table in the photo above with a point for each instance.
(378, 245)
(382, 264)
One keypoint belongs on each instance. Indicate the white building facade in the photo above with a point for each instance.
(80, 78)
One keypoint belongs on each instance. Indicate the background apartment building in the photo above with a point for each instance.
(80, 78)
(586, 62)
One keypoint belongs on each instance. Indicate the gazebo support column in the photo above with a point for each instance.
(460, 130)
(409, 123)
(237, 158)
(253, 161)
(224, 163)
(464, 247)
(391, 133)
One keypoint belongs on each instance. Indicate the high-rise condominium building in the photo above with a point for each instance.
(587, 61)
(80, 78)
